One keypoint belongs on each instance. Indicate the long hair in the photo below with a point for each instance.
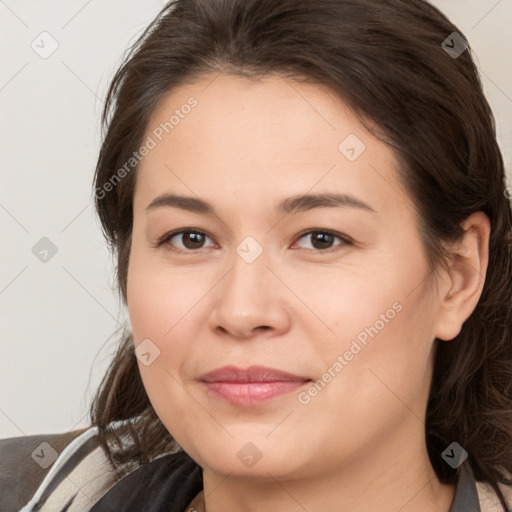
(387, 60)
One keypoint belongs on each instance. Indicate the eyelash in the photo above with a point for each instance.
(165, 240)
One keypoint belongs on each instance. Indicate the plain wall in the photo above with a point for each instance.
(57, 316)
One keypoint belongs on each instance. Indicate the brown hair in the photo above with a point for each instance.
(385, 59)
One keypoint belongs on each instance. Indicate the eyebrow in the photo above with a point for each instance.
(290, 205)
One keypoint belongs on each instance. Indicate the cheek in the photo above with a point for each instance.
(157, 296)
(362, 304)
(380, 353)
(381, 364)
(158, 301)
(164, 307)
(378, 386)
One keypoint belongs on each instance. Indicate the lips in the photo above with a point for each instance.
(251, 374)
(252, 386)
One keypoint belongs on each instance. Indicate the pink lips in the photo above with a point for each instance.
(251, 386)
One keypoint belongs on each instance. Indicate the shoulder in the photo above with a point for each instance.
(76, 477)
(71, 472)
(25, 461)
(489, 501)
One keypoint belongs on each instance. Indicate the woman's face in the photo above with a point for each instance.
(308, 261)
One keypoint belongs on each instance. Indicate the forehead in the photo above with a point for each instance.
(265, 135)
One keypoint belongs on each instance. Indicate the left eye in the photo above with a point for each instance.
(323, 240)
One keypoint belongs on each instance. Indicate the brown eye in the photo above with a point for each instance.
(192, 240)
(185, 240)
(323, 240)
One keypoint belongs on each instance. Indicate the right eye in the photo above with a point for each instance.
(187, 240)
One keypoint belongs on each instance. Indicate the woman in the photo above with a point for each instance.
(307, 205)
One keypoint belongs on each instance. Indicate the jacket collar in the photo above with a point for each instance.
(466, 494)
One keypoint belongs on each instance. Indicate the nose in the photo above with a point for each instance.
(251, 301)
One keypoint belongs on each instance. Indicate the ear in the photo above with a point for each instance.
(461, 287)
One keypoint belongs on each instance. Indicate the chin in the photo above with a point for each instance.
(243, 457)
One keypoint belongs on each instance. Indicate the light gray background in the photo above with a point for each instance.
(57, 317)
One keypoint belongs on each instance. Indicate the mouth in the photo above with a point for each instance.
(251, 386)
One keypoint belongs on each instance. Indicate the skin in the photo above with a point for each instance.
(359, 444)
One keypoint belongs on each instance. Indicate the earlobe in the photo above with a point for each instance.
(461, 289)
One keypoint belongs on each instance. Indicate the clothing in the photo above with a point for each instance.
(82, 480)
